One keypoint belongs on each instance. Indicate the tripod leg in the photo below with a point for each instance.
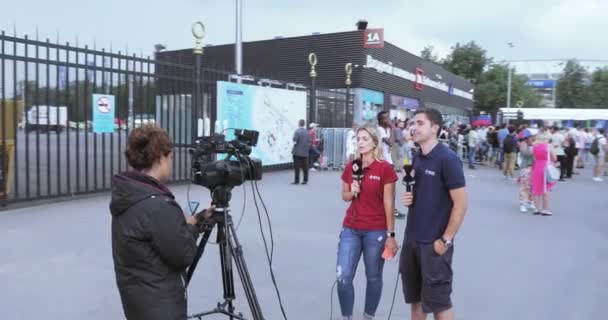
(239, 260)
(199, 253)
(226, 264)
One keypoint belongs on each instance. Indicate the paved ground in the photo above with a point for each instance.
(56, 260)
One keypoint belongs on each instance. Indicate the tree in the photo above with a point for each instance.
(428, 54)
(571, 90)
(597, 93)
(468, 61)
(492, 88)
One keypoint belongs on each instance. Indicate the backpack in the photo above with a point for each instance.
(595, 147)
(508, 146)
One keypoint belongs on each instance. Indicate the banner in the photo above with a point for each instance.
(103, 113)
(273, 112)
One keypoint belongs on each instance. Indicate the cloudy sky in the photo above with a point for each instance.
(540, 29)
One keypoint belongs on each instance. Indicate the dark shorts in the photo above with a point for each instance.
(426, 276)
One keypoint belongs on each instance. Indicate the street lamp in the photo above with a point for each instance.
(511, 45)
(348, 68)
(238, 56)
(555, 86)
(312, 113)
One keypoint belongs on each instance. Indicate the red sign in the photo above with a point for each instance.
(419, 77)
(373, 38)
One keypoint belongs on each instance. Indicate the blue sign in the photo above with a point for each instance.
(103, 113)
(541, 84)
(371, 96)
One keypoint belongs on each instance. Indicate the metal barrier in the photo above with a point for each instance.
(334, 148)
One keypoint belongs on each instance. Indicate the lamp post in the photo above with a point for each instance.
(198, 31)
(312, 113)
(348, 68)
(511, 45)
(238, 56)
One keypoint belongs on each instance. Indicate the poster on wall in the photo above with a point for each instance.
(273, 112)
(367, 105)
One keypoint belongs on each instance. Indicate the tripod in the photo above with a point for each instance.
(230, 248)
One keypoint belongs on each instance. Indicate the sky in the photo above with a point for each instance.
(539, 29)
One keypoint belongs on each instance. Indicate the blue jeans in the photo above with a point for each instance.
(472, 154)
(352, 243)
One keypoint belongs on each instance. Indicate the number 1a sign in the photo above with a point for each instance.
(373, 38)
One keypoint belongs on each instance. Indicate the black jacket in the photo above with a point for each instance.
(152, 246)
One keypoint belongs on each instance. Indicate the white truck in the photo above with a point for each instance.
(43, 118)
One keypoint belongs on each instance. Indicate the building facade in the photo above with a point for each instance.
(384, 76)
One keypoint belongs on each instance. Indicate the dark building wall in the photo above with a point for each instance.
(287, 60)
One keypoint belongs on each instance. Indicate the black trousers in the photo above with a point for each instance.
(300, 163)
(562, 166)
(570, 155)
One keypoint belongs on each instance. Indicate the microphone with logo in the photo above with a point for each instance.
(408, 178)
(358, 172)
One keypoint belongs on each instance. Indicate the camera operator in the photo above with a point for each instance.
(152, 242)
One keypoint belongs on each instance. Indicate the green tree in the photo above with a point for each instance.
(597, 93)
(468, 61)
(428, 54)
(571, 90)
(492, 88)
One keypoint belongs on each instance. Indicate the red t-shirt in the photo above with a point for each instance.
(366, 212)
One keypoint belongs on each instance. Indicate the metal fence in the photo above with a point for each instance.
(47, 146)
(334, 155)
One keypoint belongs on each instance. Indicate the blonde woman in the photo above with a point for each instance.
(368, 226)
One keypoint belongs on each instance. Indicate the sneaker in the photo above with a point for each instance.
(523, 209)
(546, 213)
(598, 179)
(532, 207)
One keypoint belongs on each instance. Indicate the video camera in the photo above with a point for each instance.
(211, 173)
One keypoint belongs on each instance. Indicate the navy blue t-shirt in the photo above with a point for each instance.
(436, 174)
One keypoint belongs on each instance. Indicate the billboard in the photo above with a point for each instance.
(541, 84)
(273, 112)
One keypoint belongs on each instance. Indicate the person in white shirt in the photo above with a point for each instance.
(385, 131)
(580, 139)
(473, 147)
(557, 143)
(589, 137)
(600, 158)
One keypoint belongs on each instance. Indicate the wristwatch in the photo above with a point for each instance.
(448, 243)
(390, 234)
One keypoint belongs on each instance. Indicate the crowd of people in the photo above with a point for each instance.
(533, 152)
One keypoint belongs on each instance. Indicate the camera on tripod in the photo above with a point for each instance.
(220, 176)
(225, 173)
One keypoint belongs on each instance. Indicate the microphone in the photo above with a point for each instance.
(357, 169)
(408, 178)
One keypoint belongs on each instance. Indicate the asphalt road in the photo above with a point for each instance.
(56, 259)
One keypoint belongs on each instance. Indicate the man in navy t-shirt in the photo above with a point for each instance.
(436, 211)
